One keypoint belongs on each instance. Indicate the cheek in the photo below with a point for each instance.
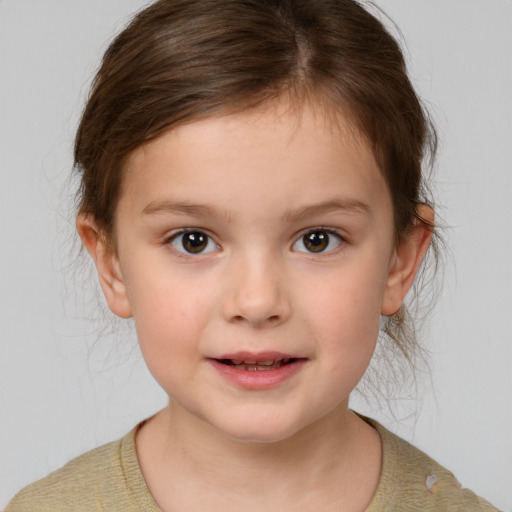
(170, 314)
(344, 314)
(161, 297)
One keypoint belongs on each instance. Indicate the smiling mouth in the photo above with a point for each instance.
(258, 371)
(252, 366)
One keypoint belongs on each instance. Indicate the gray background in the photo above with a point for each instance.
(63, 392)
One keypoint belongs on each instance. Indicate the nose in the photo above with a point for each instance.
(257, 293)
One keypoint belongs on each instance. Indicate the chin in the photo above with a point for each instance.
(262, 437)
(259, 431)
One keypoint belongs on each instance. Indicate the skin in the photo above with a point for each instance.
(255, 183)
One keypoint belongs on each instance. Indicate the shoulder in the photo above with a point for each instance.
(106, 478)
(412, 481)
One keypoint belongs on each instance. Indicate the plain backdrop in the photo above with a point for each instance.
(65, 387)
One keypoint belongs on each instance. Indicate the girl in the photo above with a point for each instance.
(252, 196)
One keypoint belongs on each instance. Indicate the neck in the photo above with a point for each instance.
(179, 451)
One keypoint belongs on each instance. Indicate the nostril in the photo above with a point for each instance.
(273, 319)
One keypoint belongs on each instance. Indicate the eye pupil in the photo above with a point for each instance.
(195, 241)
(316, 241)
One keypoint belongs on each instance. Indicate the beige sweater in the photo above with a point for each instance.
(109, 479)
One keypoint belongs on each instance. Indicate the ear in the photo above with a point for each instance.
(406, 261)
(107, 265)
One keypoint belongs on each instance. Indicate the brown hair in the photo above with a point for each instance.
(181, 60)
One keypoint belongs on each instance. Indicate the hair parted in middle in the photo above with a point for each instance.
(183, 60)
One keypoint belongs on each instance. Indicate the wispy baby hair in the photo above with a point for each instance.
(183, 60)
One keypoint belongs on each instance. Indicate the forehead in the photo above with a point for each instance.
(276, 153)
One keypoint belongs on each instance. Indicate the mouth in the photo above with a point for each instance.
(251, 365)
(258, 371)
(258, 361)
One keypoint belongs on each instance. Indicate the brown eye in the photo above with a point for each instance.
(193, 242)
(319, 240)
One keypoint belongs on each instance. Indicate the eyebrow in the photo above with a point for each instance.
(184, 208)
(332, 205)
(294, 215)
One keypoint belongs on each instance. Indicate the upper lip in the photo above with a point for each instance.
(257, 357)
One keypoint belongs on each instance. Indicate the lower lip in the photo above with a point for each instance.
(258, 379)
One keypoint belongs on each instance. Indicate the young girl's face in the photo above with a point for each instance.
(256, 253)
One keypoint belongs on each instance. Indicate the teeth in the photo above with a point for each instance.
(237, 362)
(257, 367)
(252, 365)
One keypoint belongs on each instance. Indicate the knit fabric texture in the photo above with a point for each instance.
(109, 478)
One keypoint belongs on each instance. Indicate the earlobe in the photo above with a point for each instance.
(107, 266)
(406, 261)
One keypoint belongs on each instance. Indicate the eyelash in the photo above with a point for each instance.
(191, 231)
(207, 242)
(331, 234)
